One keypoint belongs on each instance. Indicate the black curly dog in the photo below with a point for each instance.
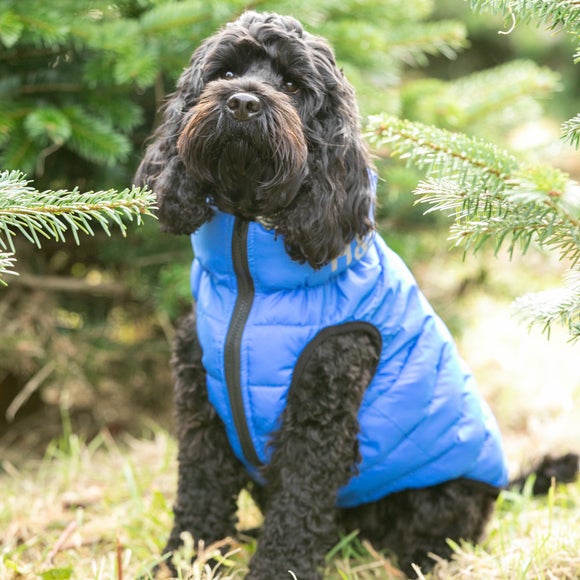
(264, 126)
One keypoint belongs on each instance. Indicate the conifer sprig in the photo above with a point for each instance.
(493, 198)
(571, 131)
(496, 96)
(413, 45)
(7, 261)
(560, 305)
(490, 195)
(57, 214)
(443, 154)
(552, 13)
(514, 218)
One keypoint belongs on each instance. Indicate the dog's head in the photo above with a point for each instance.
(264, 125)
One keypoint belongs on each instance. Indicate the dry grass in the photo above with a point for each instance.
(102, 510)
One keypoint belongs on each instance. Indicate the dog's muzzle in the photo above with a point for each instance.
(244, 106)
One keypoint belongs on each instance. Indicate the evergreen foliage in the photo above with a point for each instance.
(80, 84)
(80, 80)
(486, 103)
(56, 214)
(493, 196)
(564, 13)
(571, 131)
(561, 14)
(560, 305)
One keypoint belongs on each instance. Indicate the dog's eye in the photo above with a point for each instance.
(228, 75)
(290, 87)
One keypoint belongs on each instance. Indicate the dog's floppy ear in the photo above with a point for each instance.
(334, 205)
(182, 207)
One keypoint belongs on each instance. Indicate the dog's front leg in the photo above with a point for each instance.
(315, 451)
(210, 477)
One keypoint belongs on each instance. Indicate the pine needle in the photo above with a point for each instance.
(56, 215)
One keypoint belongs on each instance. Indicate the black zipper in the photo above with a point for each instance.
(233, 344)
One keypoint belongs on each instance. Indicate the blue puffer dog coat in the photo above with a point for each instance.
(422, 421)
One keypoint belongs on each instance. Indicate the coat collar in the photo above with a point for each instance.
(270, 266)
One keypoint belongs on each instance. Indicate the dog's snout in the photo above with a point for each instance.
(244, 106)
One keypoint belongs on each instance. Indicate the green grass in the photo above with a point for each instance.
(102, 510)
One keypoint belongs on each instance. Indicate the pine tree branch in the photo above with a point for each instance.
(493, 198)
(442, 153)
(482, 97)
(565, 13)
(172, 17)
(571, 131)
(561, 305)
(7, 262)
(413, 43)
(490, 195)
(514, 218)
(57, 214)
(72, 285)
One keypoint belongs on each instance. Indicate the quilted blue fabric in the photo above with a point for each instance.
(422, 420)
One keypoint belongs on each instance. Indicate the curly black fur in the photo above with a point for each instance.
(203, 508)
(300, 165)
(264, 126)
(563, 469)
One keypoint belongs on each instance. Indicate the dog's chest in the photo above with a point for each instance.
(421, 419)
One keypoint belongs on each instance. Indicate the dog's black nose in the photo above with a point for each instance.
(244, 106)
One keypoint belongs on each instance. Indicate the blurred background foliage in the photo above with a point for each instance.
(81, 82)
